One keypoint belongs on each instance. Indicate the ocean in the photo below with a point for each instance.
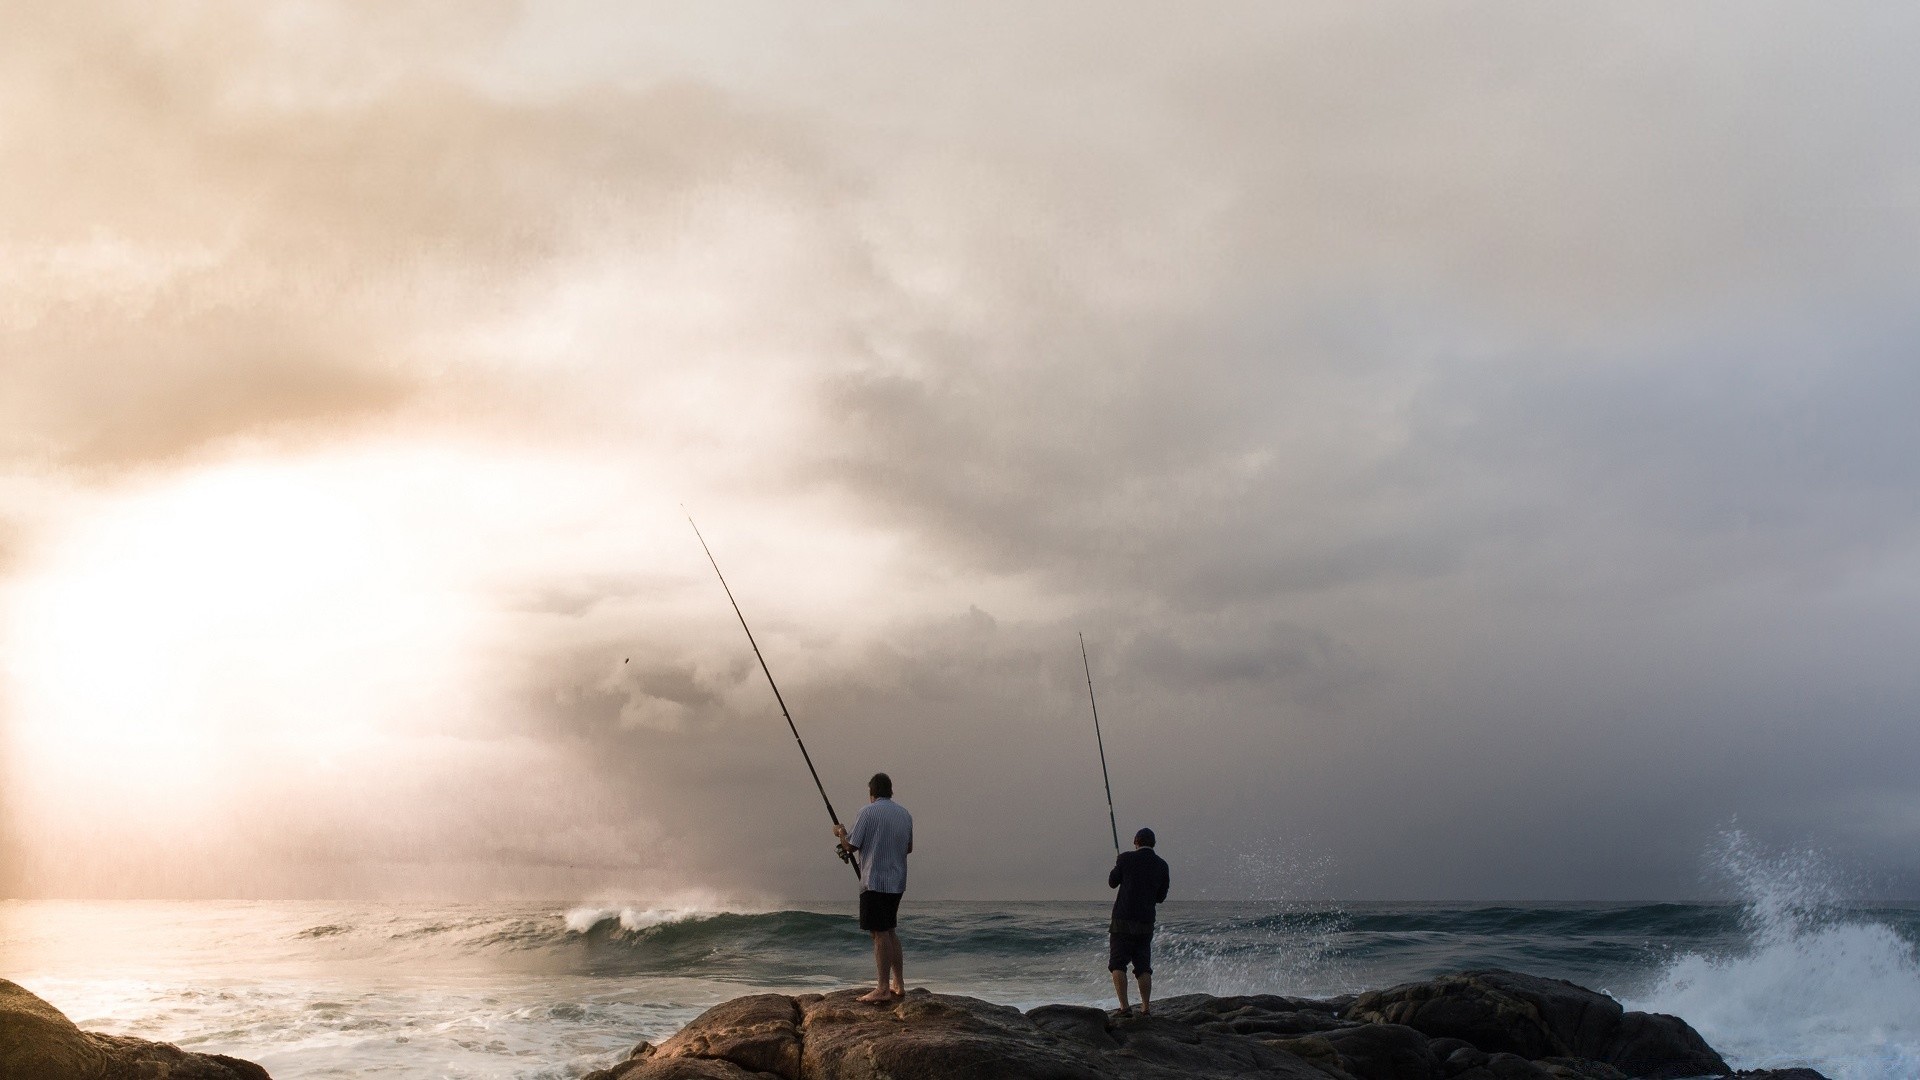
(556, 990)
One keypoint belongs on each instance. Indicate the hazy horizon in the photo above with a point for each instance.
(1473, 440)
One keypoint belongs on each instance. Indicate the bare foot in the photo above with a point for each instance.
(1146, 1010)
(875, 996)
(1124, 1010)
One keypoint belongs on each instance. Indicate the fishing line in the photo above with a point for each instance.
(846, 856)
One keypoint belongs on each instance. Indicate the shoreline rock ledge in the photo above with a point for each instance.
(38, 1042)
(1477, 1025)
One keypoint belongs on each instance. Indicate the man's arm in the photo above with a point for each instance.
(853, 841)
(1166, 882)
(1113, 875)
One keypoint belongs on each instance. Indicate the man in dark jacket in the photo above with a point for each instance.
(1142, 878)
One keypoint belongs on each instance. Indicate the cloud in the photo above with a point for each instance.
(1457, 435)
(219, 247)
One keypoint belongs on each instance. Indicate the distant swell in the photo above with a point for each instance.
(1651, 919)
(601, 941)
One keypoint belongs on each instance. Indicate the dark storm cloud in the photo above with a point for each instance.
(1597, 505)
(1605, 603)
(1305, 664)
(1470, 486)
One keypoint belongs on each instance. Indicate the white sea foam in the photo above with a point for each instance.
(685, 905)
(632, 920)
(1293, 950)
(1817, 984)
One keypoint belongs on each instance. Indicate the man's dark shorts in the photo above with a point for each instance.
(879, 910)
(1124, 949)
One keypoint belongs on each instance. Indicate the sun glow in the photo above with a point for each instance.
(365, 666)
(237, 609)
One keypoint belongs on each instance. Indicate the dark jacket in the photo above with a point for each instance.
(1143, 880)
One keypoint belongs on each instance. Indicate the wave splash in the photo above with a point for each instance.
(1817, 982)
(584, 920)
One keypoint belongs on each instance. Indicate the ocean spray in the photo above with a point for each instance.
(1817, 981)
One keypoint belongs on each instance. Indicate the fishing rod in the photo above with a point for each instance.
(1111, 823)
(846, 855)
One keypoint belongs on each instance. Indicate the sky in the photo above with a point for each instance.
(1473, 439)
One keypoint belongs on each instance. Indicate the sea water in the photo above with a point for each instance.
(556, 990)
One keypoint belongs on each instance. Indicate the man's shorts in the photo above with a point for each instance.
(879, 910)
(1124, 949)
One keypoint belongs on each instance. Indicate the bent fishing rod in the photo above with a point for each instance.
(846, 855)
(1111, 823)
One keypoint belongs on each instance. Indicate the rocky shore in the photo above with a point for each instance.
(38, 1042)
(1478, 1025)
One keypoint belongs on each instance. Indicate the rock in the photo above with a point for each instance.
(1481, 1025)
(1259, 1014)
(933, 1035)
(1367, 1052)
(1384, 1052)
(760, 1033)
(38, 1042)
(1580, 1069)
(1486, 1025)
(949, 1037)
(1081, 1023)
(1510, 1067)
(1533, 1018)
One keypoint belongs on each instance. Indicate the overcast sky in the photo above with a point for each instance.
(1476, 441)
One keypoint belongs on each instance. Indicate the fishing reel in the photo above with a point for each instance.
(846, 854)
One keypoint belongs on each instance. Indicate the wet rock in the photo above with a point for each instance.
(947, 1037)
(1477, 1026)
(760, 1033)
(38, 1042)
(1257, 1014)
(1533, 1018)
(1384, 1052)
(1580, 1069)
(1079, 1023)
(1505, 1066)
(934, 1035)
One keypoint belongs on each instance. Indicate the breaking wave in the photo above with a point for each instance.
(1812, 981)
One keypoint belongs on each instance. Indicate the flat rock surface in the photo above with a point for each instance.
(1480, 1025)
(38, 1042)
